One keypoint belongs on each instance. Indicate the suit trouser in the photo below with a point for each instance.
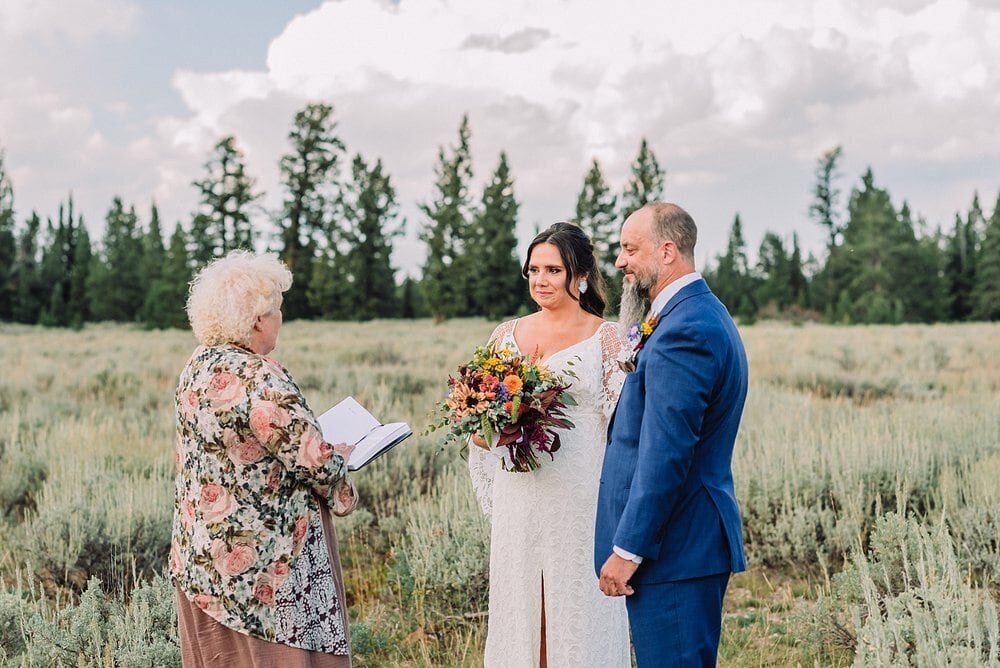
(677, 623)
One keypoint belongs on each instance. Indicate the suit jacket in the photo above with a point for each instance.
(667, 485)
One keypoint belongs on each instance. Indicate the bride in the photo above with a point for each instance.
(545, 606)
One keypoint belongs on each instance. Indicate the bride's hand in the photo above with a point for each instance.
(480, 442)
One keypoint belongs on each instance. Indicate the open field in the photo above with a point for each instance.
(868, 470)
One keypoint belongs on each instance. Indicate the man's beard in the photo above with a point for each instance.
(635, 301)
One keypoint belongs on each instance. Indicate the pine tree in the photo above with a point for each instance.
(986, 289)
(960, 262)
(164, 303)
(915, 283)
(646, 183)
(227, 196)
(731, 280)
(863, 256)
(78, 302)
(115, 284)
(825, 211)
(884, 271)
(411, 300)
(8, 246)
(31, 295)
(826, 196)
(774, 268)
(330, 292)
(446, 275)
(60, 272)
(798, 284)
(498, 287)
(596, 208)
(153, 252)
(370, 209)
(309, 172)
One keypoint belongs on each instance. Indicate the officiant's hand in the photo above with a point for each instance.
(344, 450)
(615, 574)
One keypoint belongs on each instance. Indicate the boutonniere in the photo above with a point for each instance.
(637, 335)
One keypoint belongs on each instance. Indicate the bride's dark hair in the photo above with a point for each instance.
(577, 254)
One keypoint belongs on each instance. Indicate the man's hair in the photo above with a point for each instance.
(672, 223)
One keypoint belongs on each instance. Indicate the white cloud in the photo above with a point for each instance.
(79, 20)
(737, 99)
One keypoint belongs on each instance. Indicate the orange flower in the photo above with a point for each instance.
(509, 406)
(513, 384)
(459, 399)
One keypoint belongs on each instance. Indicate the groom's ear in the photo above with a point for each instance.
(668, 252)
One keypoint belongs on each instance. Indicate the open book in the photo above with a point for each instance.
(349, 422)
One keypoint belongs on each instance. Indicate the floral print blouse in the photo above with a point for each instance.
(252, 464)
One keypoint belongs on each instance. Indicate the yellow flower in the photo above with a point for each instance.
(646, 328)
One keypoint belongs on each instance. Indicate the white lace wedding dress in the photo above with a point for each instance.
(543, 528)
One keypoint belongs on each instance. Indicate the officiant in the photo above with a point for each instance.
(253, 555)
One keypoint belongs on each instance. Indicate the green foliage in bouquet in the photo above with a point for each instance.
(504, 396)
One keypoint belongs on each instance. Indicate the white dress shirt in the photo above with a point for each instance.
(665, 295)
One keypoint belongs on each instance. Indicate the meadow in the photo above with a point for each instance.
(867, 468)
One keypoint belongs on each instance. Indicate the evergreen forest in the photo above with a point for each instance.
(339, 218)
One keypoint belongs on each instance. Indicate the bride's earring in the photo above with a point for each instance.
(583, 286)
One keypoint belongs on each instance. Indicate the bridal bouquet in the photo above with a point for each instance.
(511, 401)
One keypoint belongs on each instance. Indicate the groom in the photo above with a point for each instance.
(668, 530)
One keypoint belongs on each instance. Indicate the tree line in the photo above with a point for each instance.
(882, 266)
(339, 218)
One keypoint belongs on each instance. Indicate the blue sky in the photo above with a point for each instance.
(119, 97)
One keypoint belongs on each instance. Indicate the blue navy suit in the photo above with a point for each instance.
(667, 485)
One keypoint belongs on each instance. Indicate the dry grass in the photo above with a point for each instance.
(841, 424)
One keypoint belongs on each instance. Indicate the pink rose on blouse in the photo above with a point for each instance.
(245, 452)
(345, 496)
(225, 391)
(234, 561)
(176, 565)
(209, 605)
(313, 450)
(187, 514)
(189, 404)
(263, 589)
(299, 532)
(265, 416)
(279, 572)
(216, 503)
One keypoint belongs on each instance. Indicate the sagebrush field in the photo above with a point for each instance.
(867, 467)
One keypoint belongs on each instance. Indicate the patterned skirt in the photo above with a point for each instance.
(205, 643)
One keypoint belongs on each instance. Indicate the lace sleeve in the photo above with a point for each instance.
(482, 469)
(613, 350)
(502, 331)
(483, 464)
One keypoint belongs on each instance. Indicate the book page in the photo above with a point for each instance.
(376, 440)
(347, 422)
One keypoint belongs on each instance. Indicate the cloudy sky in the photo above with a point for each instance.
(737, 98)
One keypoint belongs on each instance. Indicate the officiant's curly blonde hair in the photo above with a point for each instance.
(228, 295)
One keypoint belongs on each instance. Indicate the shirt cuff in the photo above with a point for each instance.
(628, 556)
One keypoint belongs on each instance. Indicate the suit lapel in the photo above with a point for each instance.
(699, 287)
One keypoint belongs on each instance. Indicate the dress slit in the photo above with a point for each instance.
(542, 658)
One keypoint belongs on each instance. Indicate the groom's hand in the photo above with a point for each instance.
(615, 574)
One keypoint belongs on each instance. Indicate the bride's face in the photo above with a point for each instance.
(547, 277)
